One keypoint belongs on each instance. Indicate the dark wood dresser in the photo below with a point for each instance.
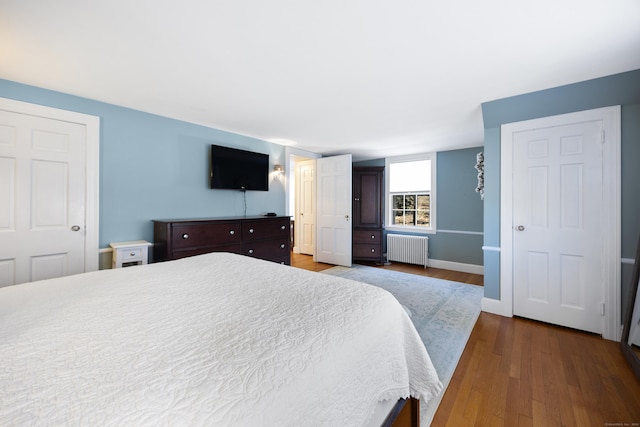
(368, 213)
(264, 237)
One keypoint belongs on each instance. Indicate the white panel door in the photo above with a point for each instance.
(333, 219)
(42, 194)
(306, 206)
(557, 215)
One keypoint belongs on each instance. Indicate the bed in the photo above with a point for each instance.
(216, 339)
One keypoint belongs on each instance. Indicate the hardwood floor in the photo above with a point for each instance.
(518, 372)
(306, 262)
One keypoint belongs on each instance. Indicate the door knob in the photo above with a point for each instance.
(520, 228)
(75, 228)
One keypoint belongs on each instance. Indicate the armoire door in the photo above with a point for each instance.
(367, 197)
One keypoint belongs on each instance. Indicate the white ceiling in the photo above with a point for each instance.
(372, 78)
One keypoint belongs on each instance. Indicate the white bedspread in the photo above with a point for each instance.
(218, 340)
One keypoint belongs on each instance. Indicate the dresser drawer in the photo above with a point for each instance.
(366, 251)
(233, 248)
(129, 255)
(256, 230)
(267, 249)
(194, 235)
(285, 260)
(367, 237)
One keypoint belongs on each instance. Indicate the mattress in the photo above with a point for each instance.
(216, 339)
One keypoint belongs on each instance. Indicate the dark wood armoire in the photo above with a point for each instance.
(368, 213)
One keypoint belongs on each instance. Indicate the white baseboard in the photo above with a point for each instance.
(456, 266)
(493, 306)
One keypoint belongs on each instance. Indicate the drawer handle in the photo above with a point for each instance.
(282, 227)
(232, 232)
(373, 250)
(250, 251)
(132, 254)
(251, 230)
(282, 246)
(373, 236)
(185, 236)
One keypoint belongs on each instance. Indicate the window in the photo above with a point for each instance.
(411, 193)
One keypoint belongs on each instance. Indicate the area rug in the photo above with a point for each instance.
(443, 312)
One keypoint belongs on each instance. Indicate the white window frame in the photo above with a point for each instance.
(432, 202)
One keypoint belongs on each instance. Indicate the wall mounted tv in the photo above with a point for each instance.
(234, 169)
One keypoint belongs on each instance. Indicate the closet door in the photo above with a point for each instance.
(48, 192)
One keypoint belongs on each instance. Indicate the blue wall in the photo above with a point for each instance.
(153, 167)
(620, 89)
(459, 208)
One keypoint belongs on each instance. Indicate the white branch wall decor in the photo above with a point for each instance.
(480, 169)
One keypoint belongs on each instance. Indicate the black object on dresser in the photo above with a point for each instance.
(367, 213)
(259, 237)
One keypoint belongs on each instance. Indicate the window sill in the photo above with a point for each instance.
(413, 230)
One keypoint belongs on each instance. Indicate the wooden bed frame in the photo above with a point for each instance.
(405, 413)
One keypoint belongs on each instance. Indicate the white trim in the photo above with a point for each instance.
(410, 229)
(474, 233)
(92, 127)
(506, 221)
(456, 266)
(291, 155)
(494, 306)
(610, 117)
(432, 192)
(491, 249)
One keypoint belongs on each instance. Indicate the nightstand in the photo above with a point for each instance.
(126, 254)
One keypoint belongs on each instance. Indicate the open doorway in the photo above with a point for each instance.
(300, 183)
(321, 212)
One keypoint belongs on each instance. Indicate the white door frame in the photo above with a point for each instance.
(611, 215)
(92, 167)
(292, 155)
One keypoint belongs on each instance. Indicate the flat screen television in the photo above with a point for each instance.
(234, 169)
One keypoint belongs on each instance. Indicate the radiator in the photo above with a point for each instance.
(409, 249)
